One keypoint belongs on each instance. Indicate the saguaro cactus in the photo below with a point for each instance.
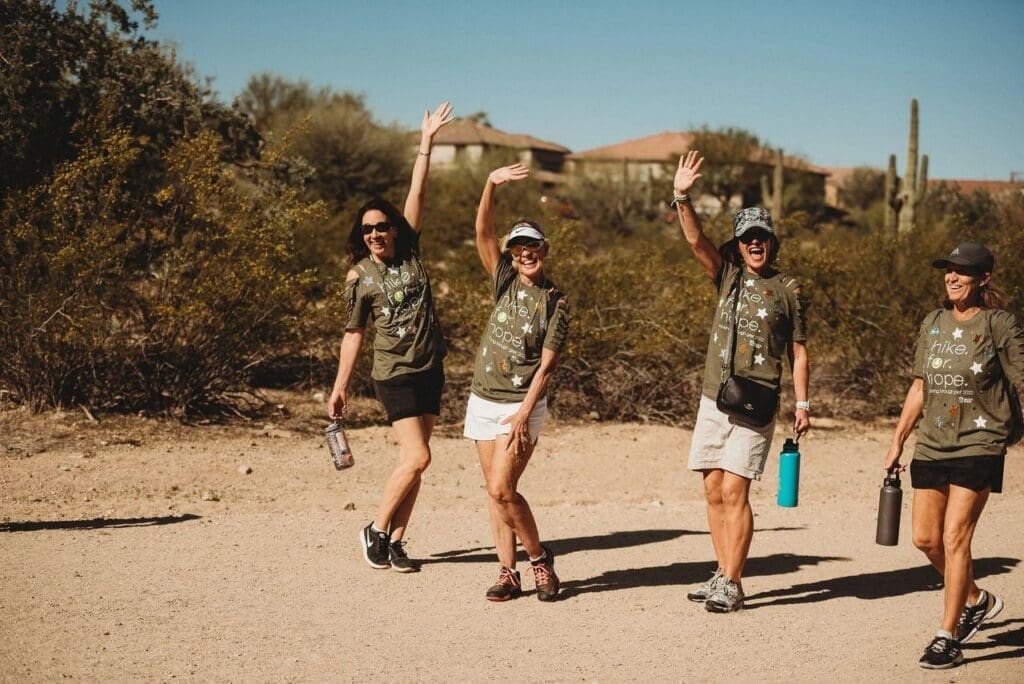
(904, 198)
(773, 198)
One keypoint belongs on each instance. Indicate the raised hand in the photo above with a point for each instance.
(432, 123)
(687, 172)
(506, 174)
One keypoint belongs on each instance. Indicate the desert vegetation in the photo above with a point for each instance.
(167, 252)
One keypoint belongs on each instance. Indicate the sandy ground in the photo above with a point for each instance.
(113, 567)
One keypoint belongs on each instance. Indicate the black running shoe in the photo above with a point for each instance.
(544, 576)
(942, 654)
(375, 547)
(400, 561)
(988, 607)
(507, 587)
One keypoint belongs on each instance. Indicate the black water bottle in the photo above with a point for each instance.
(890, 503)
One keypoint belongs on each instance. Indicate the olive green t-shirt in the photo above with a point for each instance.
(397, 298)
(966, 367)
(769, 316)
(525, 320)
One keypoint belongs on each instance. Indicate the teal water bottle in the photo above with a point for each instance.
(789, 474)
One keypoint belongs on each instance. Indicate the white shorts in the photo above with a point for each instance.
(483, 418)
(720, 441)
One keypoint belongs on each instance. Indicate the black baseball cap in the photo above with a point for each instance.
(968, 255)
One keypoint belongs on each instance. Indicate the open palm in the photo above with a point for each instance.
(688, 171)
(432, 123)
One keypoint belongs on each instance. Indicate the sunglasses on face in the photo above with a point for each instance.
(518, 249)
(752, 235)
(379, 227)
(964, 270)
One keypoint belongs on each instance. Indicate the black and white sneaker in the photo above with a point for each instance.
(967, 626)
(400, 561)
(375, 547)
(942, 653)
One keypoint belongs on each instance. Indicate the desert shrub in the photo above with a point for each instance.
(217, 292)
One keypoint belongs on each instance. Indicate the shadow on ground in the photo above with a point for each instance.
(687, 573)
(871, 585)
(94, 523)
(986, 640)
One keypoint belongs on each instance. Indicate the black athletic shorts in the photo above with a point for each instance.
(411, 394)
(972, 472)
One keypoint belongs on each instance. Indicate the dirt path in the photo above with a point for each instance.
(114, 567)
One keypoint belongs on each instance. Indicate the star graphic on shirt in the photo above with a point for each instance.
(516, 380)
(484, 351)
(724, 354)
(401, 331)
(392, 270)
(489, 368)
(980, 422)
(976, 367)
(762, 313)
(957, 333)
(386, 311)
(758, 359)
(527, 328)
(749, 283)
(368, 280)
(715, 338)
(521, 294)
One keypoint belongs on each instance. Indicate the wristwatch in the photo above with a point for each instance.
(805, 405)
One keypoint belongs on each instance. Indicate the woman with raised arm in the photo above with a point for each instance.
(759, 321)
(388, 285)
(507, 407)
(970, 354)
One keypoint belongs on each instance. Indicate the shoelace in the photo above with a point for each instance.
(939, 644)
(382, 544)
(541, 573)
(506, 576)
(398, 549)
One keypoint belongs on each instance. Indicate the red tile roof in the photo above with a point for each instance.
(467, 132)
(667, 144)
(992, 187)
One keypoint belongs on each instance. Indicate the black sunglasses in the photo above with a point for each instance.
(379, 227)
(751, 235)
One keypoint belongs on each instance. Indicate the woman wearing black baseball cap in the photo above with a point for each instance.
(970, 355)
(519, 351)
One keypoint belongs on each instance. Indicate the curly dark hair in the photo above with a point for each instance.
(356, 247)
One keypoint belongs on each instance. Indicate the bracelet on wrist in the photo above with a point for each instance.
(805, 405)
(679, 199)
(424, 154)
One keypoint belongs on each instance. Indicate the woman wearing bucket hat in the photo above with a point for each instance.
(507, 407)
(970, 355)
(388, 285)
(759, 321)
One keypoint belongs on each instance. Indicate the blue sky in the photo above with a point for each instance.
(830, 81)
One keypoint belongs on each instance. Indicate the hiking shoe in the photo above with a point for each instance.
(375, 547)
(726, 598)
(942, 654)
(507, 587)
(544, 576)
(400, 561)
(704, 591)
(988, 606)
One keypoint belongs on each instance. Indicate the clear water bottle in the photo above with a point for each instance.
(890, 503)
(789, 474)
(341, 454)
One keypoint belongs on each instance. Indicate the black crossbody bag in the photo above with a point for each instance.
(741, 397)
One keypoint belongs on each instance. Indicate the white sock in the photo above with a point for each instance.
(373, 528)
(943, 633)
(539, 558)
